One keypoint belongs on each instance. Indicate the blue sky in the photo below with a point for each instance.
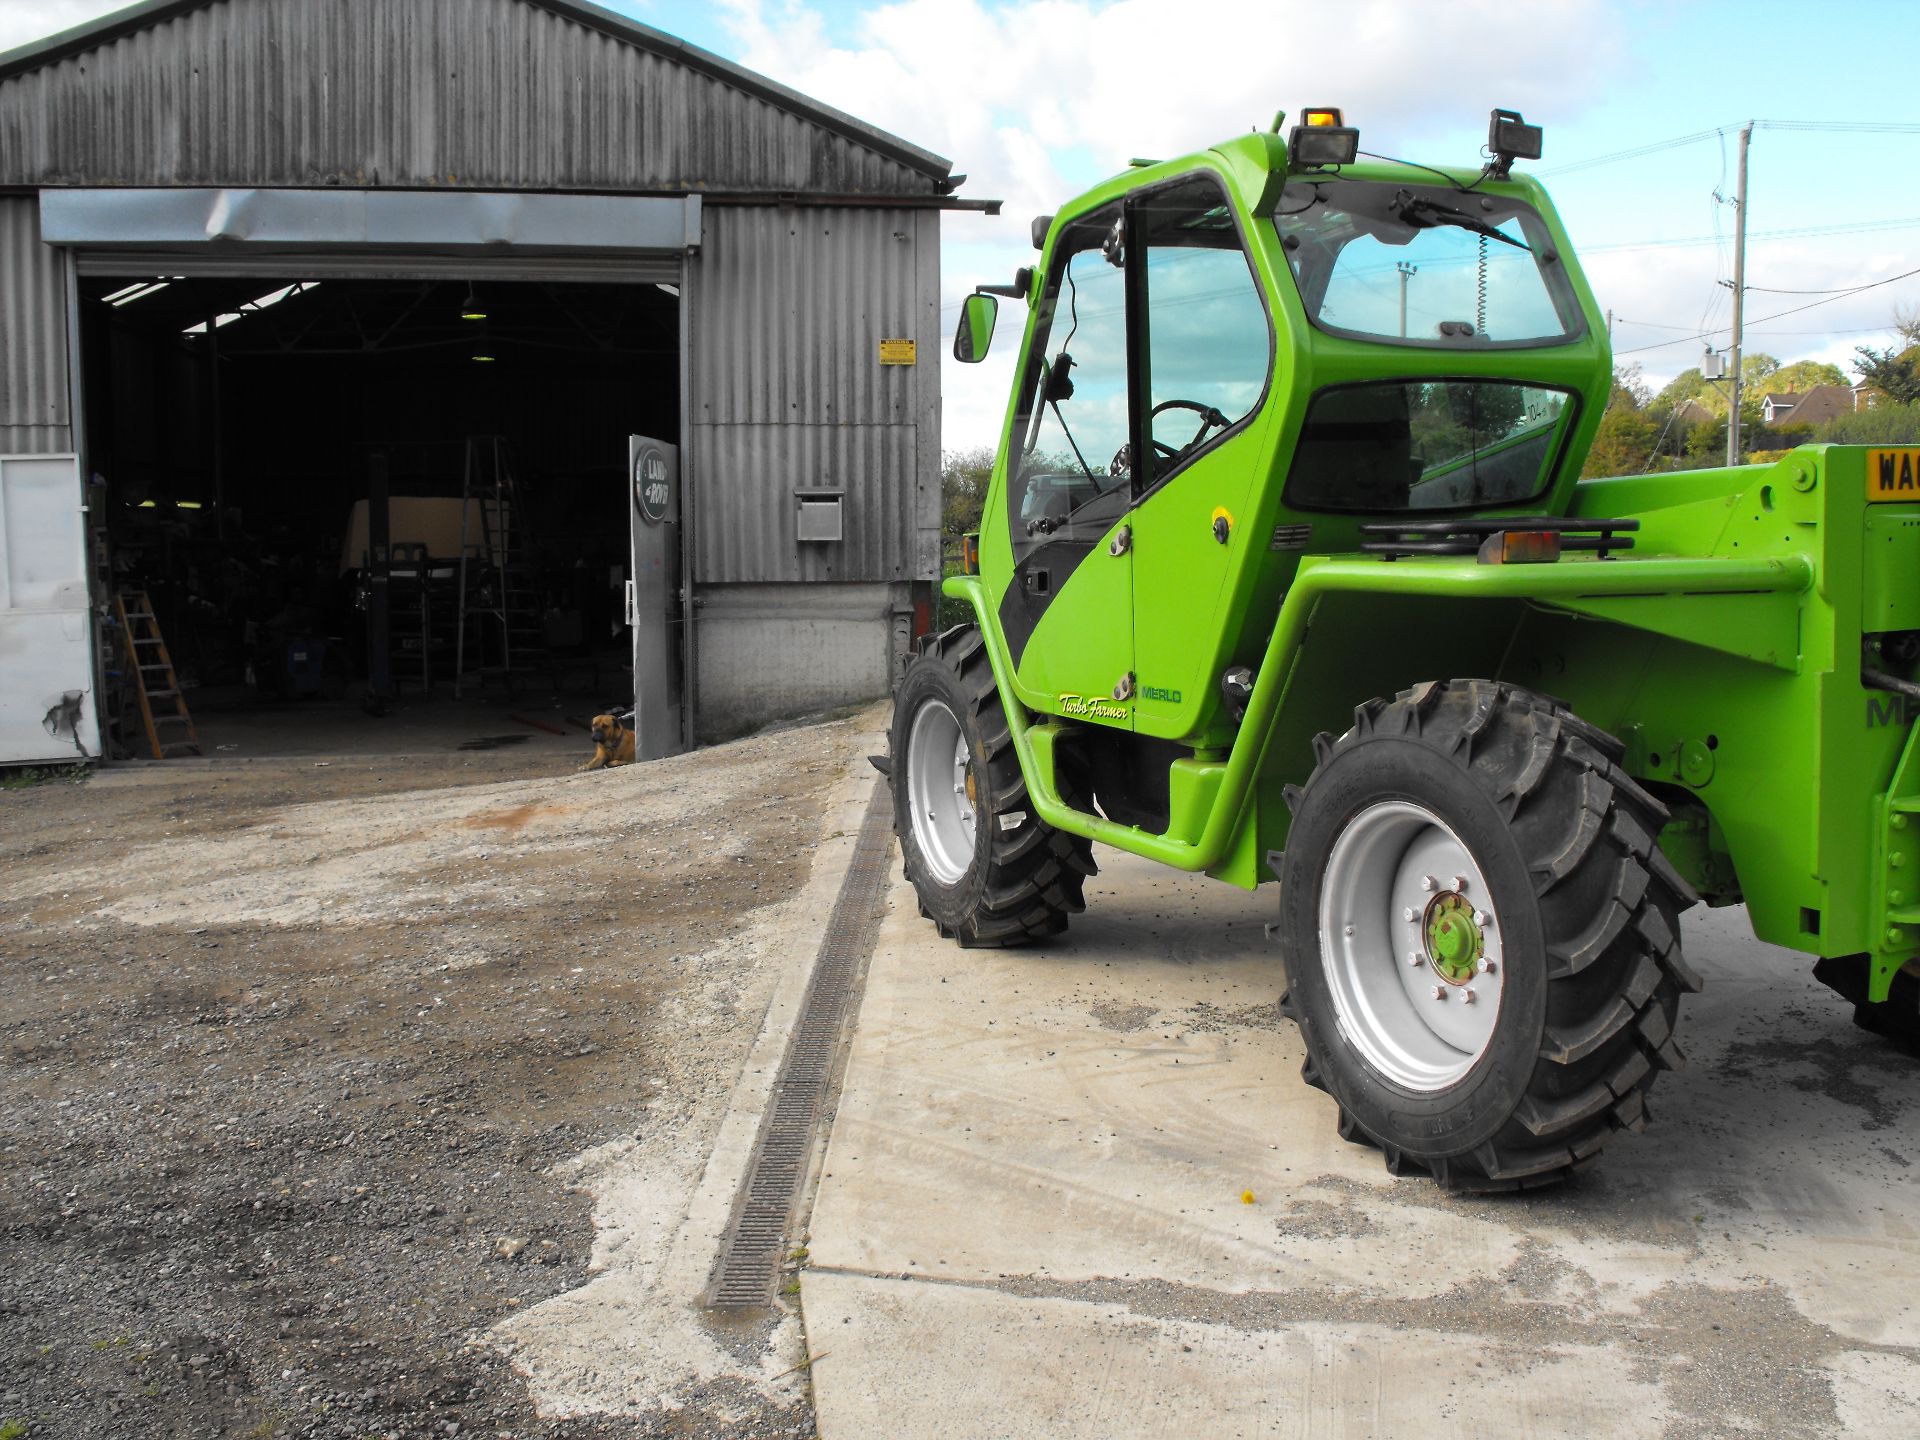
(1037, 101)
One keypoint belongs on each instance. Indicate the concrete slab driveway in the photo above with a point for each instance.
(1080, 1190)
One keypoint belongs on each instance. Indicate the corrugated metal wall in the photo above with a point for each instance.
(474, 94)
(786, 390)
(33, 336)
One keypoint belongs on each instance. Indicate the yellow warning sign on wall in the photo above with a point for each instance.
(897, 352)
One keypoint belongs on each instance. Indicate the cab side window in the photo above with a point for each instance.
(1073, 471)
(1209, 344)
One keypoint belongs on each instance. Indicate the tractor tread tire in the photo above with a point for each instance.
(1033, 875)
(1608, 906)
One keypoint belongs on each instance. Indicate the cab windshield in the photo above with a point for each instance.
(1424, 265)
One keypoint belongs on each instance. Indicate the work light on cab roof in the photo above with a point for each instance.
(1323, 138)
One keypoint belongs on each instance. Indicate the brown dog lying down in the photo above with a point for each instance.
(612, 743)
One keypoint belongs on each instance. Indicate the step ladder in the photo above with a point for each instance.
(162, 706)
(502, 625)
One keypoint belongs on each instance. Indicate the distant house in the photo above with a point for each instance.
(1819, 405)
(1692, 412)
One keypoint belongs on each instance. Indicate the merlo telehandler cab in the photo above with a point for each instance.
(1286, 572)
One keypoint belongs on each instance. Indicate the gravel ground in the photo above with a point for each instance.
(295, 1060)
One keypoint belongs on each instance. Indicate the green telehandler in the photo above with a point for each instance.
(1286, 573)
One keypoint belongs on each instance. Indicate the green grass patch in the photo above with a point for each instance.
(25, 777)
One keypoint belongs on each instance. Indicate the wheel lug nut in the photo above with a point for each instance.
(1486, 966)
(1411, 915)
(1415, 959)
(1439, 992)
(1427, 882)
(1466, 997)
(1349, 932)
(1460, 883)
(1481, 918)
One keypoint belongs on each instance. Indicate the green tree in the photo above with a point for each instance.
(1624, 443)
(1888, 423)
(964, 476)
(1685, 386)
(1802, 375)
(1757, 377)
(1896, 374)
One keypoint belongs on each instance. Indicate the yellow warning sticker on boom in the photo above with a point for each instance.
(1893, 474)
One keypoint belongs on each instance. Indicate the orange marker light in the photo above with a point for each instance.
(1327, 116)
(1520, 547)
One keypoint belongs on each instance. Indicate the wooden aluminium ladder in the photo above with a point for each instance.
(161, 703)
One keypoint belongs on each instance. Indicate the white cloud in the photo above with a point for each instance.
(22, 21)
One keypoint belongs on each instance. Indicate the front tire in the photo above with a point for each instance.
(1480, 935)
(987, 869)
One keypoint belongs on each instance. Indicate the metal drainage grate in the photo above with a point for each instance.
(751, 1249)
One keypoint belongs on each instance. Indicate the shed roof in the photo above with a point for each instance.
(469, 94)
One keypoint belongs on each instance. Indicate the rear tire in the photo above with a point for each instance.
(987, 869)
(1472, 836)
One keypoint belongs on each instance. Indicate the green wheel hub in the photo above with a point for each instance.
(1455, 941)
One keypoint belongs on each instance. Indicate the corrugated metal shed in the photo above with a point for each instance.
(788, 391)
(471, 94)
(818, 238)
(34, 418)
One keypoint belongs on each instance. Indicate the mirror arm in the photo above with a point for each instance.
(1021, 287)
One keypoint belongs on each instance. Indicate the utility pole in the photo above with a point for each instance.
(1739, 297)
(1407, 272)
(1609, 327)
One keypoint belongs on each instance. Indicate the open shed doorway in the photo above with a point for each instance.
(239, 432)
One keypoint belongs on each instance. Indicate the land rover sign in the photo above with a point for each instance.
(652, 489)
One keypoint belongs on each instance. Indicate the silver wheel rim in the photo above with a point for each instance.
(1412, 946)
(939, 786)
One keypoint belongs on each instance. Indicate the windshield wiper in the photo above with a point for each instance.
(1413, 208)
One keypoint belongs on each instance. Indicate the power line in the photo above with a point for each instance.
(1849, 127)
(1639, 150)
(1778, 314)
(1770, 290)
(1798, 232)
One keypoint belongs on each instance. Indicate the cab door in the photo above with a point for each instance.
(1067, 615)
(1207, 348)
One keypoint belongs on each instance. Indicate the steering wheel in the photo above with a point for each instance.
(1210, 419)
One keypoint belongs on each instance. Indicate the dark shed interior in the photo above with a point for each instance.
(236, 430)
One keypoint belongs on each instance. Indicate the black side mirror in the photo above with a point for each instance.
(975, 332)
